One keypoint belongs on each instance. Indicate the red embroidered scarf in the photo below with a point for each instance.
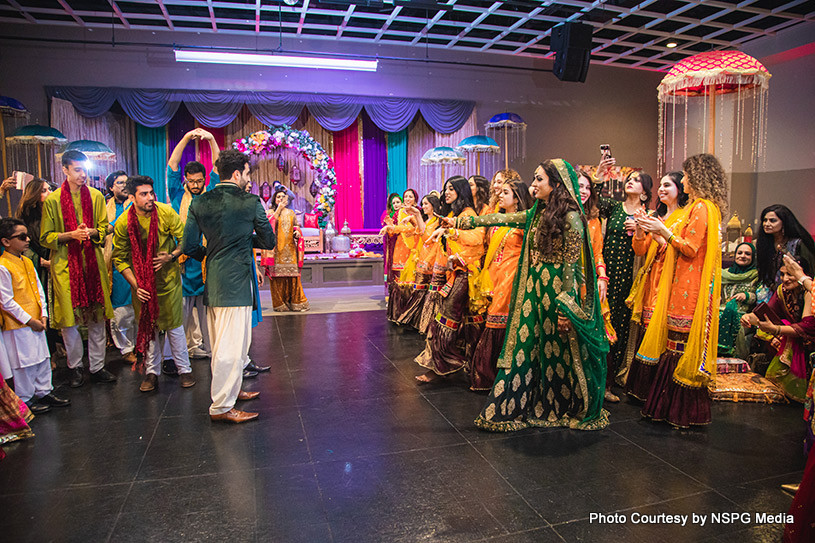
(86, 285)
(142, 255)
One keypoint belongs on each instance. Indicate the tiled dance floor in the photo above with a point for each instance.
(348, 448)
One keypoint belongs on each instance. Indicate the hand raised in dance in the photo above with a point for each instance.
(436, 235)
(448, 222)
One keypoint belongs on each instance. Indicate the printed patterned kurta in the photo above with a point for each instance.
(502, 273)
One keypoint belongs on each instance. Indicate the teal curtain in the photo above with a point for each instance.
(151, 144)
(397, 161)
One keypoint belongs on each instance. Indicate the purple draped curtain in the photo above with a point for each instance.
(375, 169)
(155, 107)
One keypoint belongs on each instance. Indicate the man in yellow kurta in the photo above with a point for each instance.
(146, 247)
(74, 224)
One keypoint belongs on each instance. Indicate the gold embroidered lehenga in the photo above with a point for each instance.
(283, 265)
(546, 378)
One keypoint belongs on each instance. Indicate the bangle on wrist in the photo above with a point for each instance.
(804, 278)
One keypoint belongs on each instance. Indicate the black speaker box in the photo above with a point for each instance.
(571, 43)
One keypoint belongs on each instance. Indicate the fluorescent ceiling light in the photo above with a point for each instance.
(671, 44)
(256, 59)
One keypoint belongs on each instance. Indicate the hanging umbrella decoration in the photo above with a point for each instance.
(478, 145)
(443, 156)
(96, 151)
(701, 79)
(38, 135)
(9, 107)
(512, 128)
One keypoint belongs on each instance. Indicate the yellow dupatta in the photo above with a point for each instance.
(478, 304)
(484, 283)
(636, 297)
(697, 366)
(408, 273)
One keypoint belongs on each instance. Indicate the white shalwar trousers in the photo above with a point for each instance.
(96, 346)
(230, 328)
(195, 323)
(123, 329)
(177, 342)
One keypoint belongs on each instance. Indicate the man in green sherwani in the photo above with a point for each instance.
(231, 220)
(74, 225)
(146, 247)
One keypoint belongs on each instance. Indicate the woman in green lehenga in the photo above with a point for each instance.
(552, 369)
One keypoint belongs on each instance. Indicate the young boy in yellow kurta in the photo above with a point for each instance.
(146, 247)
(24, 313)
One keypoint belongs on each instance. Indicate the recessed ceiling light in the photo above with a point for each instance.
(671, 44)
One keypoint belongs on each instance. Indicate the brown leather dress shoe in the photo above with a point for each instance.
(243, 395)
(149, 382)
(130, 358)
(234, 416)
(186, 380)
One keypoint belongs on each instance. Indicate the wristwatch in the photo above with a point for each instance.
(174, 257)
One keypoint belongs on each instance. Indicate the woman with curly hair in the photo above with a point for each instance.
(480, 187)
(495, 284)
(682, 337)
(497, 186)
(551, 372)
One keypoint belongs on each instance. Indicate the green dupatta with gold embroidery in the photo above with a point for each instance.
(516, 401)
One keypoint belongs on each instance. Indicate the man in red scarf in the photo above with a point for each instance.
(146, 247)
(74, 225)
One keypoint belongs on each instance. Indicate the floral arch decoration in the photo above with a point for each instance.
(286, 137)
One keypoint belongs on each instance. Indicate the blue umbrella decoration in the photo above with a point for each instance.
(39, 135)
(443, 156)
(478, 144)
(514, 134)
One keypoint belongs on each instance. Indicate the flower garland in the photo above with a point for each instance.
(267, 141)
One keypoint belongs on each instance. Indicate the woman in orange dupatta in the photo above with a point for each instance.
(284, 263)
(406, 240)
(418, 272)
(682, 337)
(643, 295)
(443, 354)
(495, 284)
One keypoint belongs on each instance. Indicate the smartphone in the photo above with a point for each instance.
(22, 179)
(605, 150)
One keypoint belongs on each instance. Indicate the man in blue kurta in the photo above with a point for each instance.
(232, 221)
(123, 323)
(182, 192)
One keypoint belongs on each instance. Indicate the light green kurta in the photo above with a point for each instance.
(63, 314)
(168, 278)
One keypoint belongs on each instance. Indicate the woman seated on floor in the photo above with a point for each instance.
(787, 332)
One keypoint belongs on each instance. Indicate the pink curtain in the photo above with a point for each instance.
(203, 152)
(349, 182)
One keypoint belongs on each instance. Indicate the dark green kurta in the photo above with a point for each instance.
(233, 221)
